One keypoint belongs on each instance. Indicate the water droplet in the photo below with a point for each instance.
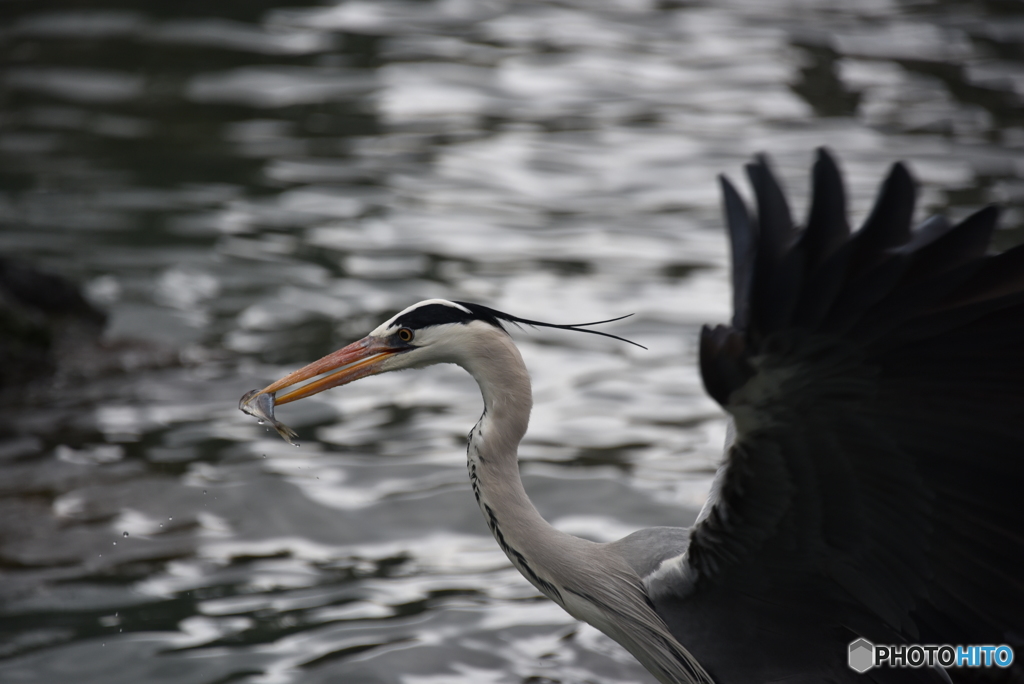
(120, 629)
(115, 543)
(125, 534)
(170, 518)
(161, 524)
(259, 422)
(318, 477)
(204, 491)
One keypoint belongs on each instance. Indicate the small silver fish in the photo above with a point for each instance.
(261, 406)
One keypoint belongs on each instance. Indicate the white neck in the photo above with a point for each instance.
(589, 580)
(540, 552)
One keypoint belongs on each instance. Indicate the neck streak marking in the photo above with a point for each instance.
(492, 521)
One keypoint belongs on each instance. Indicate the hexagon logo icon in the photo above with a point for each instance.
(862, 655)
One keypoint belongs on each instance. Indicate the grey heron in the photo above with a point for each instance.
(872, 483)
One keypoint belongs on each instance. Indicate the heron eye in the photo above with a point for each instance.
(405, 335)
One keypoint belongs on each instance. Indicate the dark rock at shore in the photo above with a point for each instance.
(42, 315)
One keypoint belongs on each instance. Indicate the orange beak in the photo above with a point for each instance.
(357, 360)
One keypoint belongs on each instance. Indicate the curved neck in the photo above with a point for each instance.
(590, 581)
(540, 552)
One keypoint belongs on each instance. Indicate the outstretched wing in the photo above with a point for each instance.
(876, 382)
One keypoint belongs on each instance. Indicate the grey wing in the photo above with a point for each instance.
(876, 384)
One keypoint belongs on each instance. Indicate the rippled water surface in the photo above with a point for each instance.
(246, 186)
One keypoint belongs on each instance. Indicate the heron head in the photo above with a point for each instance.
(432, 331)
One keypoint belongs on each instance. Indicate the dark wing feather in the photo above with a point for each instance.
(778, 262)
(743, 241)
(875, 486)
(827, 229)
(888, 225)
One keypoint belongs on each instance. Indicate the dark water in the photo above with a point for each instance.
(245, 186)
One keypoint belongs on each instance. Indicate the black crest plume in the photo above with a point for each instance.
(495, 317)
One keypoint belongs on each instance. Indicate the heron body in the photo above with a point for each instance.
(875, 387)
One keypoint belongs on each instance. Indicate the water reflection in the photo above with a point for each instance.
(245, 187)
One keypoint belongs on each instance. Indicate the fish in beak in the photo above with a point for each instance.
(357, 360)
(261, 406)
